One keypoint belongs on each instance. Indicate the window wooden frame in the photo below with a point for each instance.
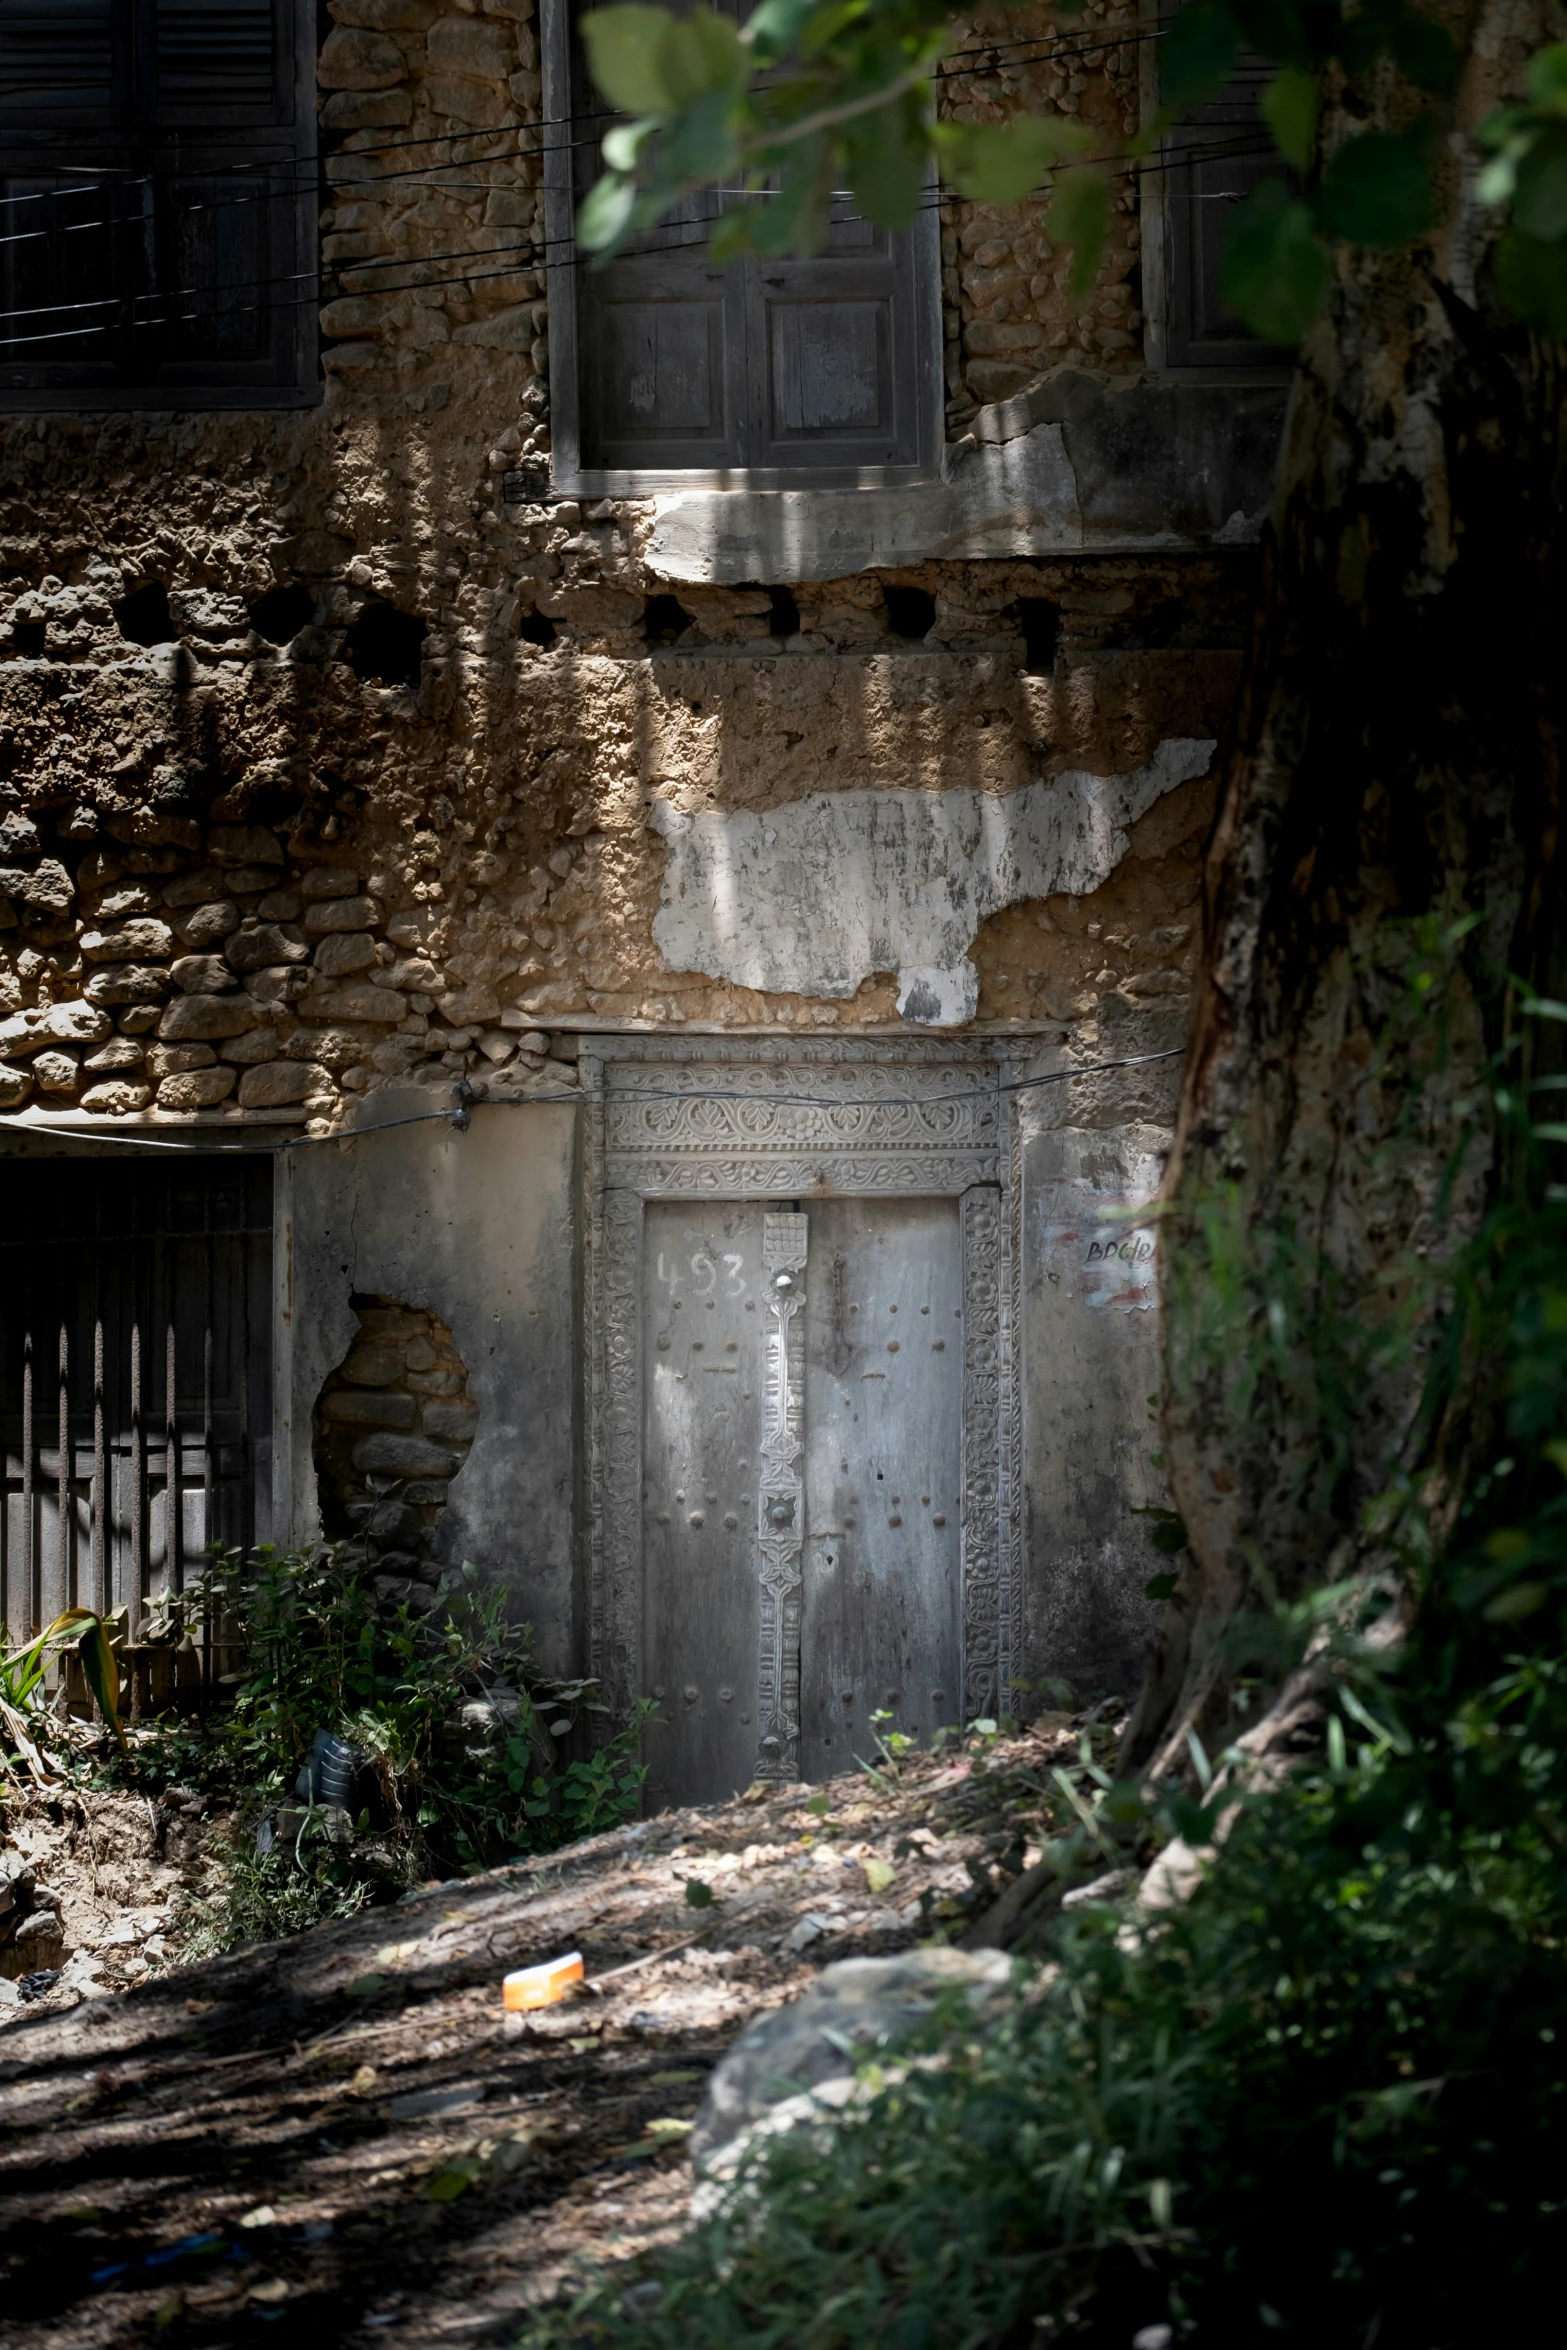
(915, 357)
(164, 178)
(1177, 338)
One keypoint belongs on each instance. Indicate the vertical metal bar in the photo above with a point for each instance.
(246, 1464)
(173, 1544)
(209, 1531)
(62, 1577)
(102, 1511)
(32, 1594)
(136, 1595)
(207, 1528)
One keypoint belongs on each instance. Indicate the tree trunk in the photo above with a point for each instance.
(1395, 770)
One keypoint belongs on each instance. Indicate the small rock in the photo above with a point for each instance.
(114, 1098)
(57, 1072)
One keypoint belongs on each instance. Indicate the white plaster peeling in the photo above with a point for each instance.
(818, 893)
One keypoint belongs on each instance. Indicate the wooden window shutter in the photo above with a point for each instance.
(218, 57)
(169, 238)
(832, 358)
(56, 59)
(1213, 161)
(788, 370)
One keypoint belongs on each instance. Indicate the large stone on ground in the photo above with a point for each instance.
(852, 2009)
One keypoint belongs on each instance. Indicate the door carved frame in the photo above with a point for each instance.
(796, 1119)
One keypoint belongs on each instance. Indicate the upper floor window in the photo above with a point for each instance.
(157, 203)
(791, 373)
(1208, 163)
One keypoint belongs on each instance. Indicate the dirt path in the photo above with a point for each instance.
(340, 2131)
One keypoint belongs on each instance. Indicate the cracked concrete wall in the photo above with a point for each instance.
(476, 1227)
(812, 897)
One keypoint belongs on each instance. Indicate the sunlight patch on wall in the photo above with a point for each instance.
(812, 897)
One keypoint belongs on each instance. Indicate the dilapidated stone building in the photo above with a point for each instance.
(600, 869)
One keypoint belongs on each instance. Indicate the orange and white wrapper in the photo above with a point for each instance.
(541, 1986)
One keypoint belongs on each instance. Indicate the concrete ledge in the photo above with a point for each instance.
(1075, 464)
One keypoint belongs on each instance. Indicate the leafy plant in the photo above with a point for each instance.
(1324, 2098)
(801, 101)
(23, 1671)
(469, 1746)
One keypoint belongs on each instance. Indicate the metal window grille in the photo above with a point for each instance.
(135, 1380)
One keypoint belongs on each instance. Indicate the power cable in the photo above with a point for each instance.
(519, 261)
(312, 163)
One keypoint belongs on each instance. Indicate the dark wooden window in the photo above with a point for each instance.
(158, 216)
(1213, 159)
(792, 372)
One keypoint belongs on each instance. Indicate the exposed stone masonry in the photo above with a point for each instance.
(326, 761)
(394, 1424)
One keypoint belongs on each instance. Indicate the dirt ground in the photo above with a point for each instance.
(129, 1875)
(343, 2131)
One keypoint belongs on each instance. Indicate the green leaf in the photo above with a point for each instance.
(1518, 1601)
(606, 212)
(794, 217)
(999, 163)
(453, 2179)
(884, 163)
(1531, 277)
(1540, 196)
(1198, 54)
(623, 145)
(773, 29)
(1289, 108)
(702, 56)
(1376, 191)
(698, 1895)
(1274, 272)
(625, 48)
(1079, 216)
(879, 1874)
(1548, 79)
(1160, 1587)
(1425, 52)
(103, 1674)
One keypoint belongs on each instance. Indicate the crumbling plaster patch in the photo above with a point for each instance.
(813, 896)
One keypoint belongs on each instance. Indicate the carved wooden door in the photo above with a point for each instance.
(802, 1459)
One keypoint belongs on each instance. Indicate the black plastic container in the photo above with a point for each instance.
(337, 1773)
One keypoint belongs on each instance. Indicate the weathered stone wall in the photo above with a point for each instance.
(251, 878)
(340, 764)
(394, 1423)
(1008, 305)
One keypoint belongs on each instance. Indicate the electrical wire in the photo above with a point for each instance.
(518, 261)
(1086, 44)
(579, 1100)
(1005, 56)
